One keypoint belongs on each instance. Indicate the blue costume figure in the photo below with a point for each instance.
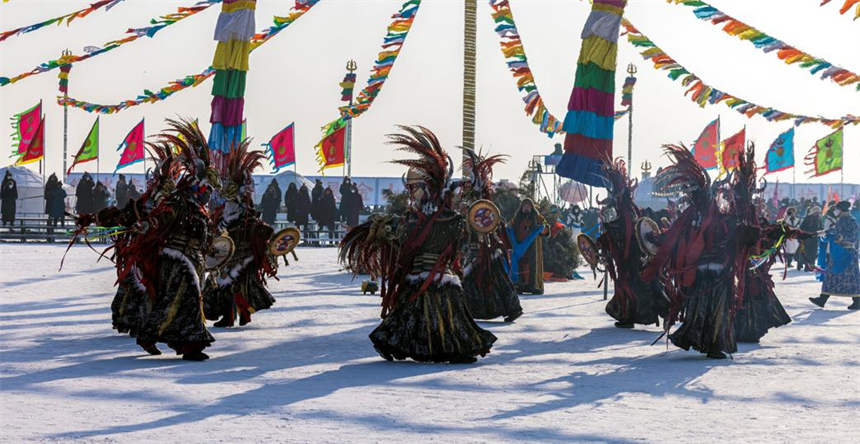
(527, 249)
(838, 259)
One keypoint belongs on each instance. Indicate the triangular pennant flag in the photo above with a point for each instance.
(282, 147)
(732, 149)
(705, 147)
(131, 147)
(331, 149)
(89, 149)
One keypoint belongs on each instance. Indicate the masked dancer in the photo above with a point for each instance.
(239, 286)
(166, 253)
(486, 283)
(424, 313)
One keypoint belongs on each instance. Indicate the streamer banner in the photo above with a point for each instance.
(136, 33)
(282, 148)
(233, 32)
(131, 147)
(780, 155)
(731, 152)
(225, 87)
(620, 114)
(36, 147)
(89, 148)
(589, 119)
(706, 146)
(348, 84)
(67, 18)
(785, 52)
(846, 6)
(703, 94)
(392, 43)
(627, 91)
(826, 155)
(25, 125)
(517, 62)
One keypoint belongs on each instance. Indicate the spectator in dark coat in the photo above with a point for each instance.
(101, 197)
(316, 197)
(133, 193)
(8, 196)
(121, 192)
(327, 212)
(352, 204)
(303, 207)
(345, 189)
(290, 201)
(270, 202)
(84, 194)
(55, 201)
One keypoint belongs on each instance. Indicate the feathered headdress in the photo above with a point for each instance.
(617, 182)
(239, 165)
(684, 176)
(434, 167)
(480, 170)
(190, 148)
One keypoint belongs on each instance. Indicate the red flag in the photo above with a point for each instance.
(705, 147)
(282, 148)
(132, 147)
(331, 152)
(732, 149)
(36, 147)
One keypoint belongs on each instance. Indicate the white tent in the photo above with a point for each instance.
(30, 190)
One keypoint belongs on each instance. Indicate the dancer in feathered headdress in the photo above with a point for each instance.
(636, 301)
(490, 293)
(759, 309)
(416, 258)
(170, 230)
(697, 257)
(240, 284)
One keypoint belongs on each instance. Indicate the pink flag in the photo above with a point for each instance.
(132, 147)
(26, 124)
(705, 147)
(282, 148)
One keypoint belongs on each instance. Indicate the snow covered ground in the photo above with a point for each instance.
(305, 371)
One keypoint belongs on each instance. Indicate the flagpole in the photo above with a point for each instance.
(631, 69)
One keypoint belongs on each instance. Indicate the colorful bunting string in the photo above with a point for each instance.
(787, 53)
(846, 6)
(392, 43)
(704, 94)
(107, 4)
(148, 31)
(391, 46)
(515, 57)
(280, 23)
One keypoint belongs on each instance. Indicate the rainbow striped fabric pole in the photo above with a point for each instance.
(233, 32)
(590, 111)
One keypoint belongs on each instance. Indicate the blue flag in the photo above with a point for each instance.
(780, 156)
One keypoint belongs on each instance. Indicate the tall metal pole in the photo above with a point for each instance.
(351, 66)
(470, 29)
(66, 53)
(631, 69)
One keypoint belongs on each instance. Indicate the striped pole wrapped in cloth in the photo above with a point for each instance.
(233, 32)
(590, 111)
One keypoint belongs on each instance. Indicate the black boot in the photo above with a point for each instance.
(151, 349)
(855, 305)
(716, 354)
(820, 300)
(195, 356)
(620, 324)
(513, 317)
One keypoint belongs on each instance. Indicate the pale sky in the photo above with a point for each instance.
(295, 76)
